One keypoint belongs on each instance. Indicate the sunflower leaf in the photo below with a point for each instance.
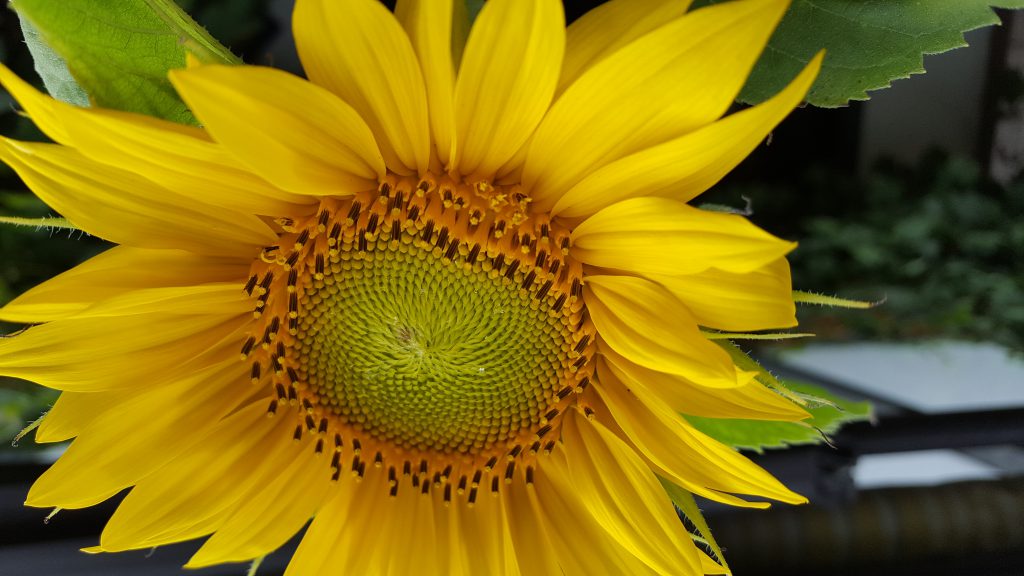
(52, 68)
(119, 51)
(868, 44)
(828, 414)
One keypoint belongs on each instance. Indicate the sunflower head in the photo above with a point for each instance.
(445, 296)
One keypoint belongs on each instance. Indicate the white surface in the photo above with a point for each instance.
(931, 377)
(923, 468)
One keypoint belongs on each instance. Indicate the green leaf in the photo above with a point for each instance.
(119, 51)
(52, 68)
(868, 44)
(828, 414)
(696, 525)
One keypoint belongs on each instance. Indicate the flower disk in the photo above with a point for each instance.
(423, 320)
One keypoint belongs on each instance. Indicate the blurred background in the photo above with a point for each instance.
(914, 198)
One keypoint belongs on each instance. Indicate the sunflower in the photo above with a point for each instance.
(446, 297)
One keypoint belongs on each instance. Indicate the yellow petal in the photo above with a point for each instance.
(291, 132)
(370, 534)
(359, 524)
(662, 85)
(625, 497)
(138, 436)
(195, 493)
(123, 207)
(271, 515)
(485, 527)
(418, 532)
(533, 545)
(356, 49)
(429, 24)
(187, 164)
(685, 456)
(506, 81)
(752, 401)
(225, 299)
(111, 346)
(449, 542)
(73, 411)
(757, 300)
(181, 158)
(571, 522)
(684, 167)
(320, 551)
(646, 324)
(114, 272)
(367, 536)
(39, 106)
(607, 28)
(663, 236)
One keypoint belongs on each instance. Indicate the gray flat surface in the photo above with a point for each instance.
(931, 377)
(924, 468)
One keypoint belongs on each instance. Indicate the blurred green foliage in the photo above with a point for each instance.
(943, 245)
(19, 406)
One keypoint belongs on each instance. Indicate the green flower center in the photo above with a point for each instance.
(430, 327)
(426, 352)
